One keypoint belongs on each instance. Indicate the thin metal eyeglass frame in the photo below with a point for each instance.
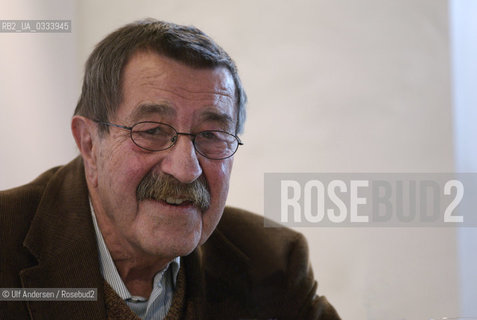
(174, 138)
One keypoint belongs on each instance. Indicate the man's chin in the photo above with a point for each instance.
(173, 247)
(168, 229)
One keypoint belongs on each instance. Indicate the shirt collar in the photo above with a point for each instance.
(108, 268)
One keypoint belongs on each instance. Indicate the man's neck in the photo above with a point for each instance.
(138, 276)
(136, 269)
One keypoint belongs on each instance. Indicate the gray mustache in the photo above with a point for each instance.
(160, 187)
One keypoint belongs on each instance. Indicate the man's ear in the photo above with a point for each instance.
(86, 136)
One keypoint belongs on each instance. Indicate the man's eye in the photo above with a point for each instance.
(157, 131)
(209, 135)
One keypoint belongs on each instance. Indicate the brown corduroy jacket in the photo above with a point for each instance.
(244, 271)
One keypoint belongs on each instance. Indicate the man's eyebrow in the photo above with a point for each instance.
(223, 119)
(144, 110)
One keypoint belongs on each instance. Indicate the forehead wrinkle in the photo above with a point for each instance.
(148, 76)
(150, 81)
(186, 93)
(151, 108)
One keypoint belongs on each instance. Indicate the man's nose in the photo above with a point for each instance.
(181, 160)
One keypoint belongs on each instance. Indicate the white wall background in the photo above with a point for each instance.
(38, 91)
(334, 86)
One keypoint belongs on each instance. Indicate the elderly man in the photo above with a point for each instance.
(141, 214)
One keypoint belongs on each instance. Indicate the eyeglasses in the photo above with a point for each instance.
(157, 136)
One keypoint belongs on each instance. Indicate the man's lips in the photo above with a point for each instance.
(175, 202)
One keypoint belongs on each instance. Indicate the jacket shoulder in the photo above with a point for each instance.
(259, 238)
(17, 209)
(267, 263)
(20, 203)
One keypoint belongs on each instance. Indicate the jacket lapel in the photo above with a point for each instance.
(62, 239)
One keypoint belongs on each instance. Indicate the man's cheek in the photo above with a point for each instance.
(221, 173)
(131, 175)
